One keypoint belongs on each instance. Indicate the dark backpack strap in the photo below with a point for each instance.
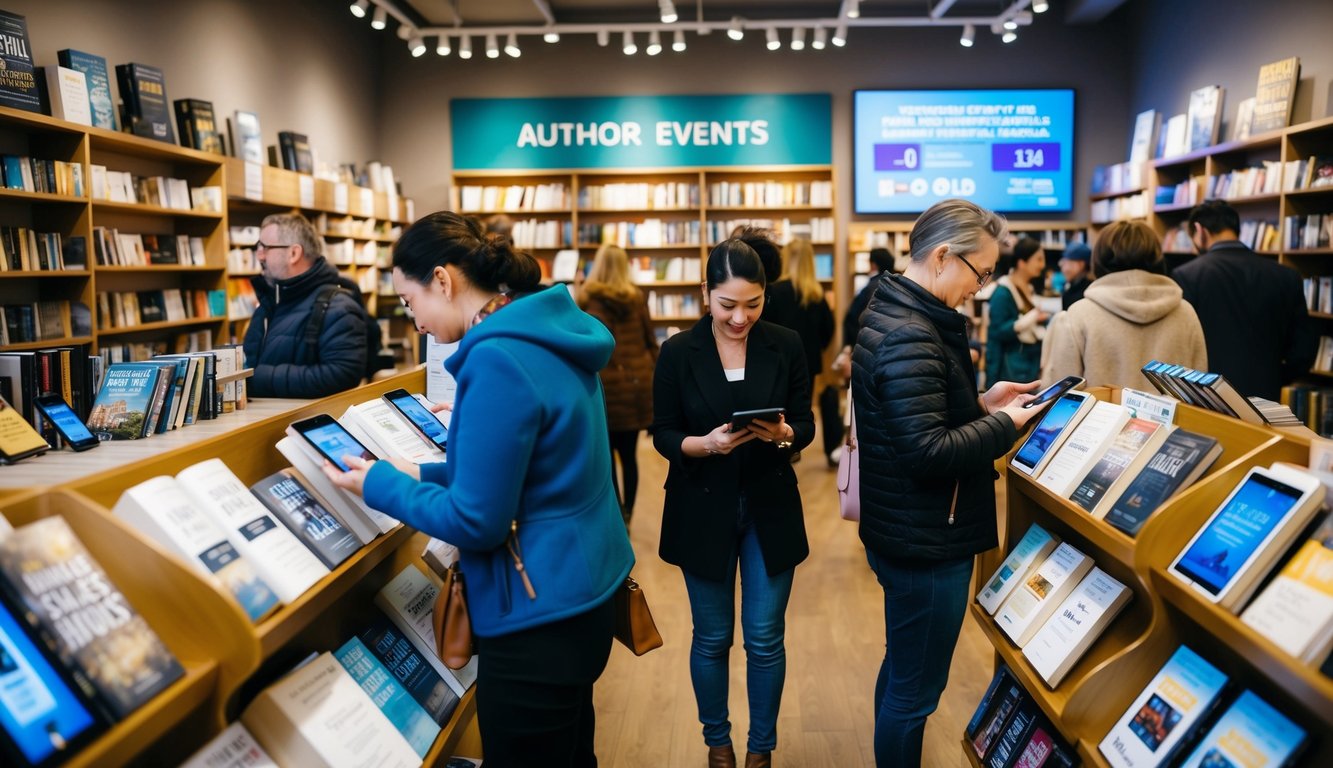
(314, 325)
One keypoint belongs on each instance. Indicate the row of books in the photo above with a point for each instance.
(639, 196)
(1213, 392)
(161, 191)
(1255, 234)
(817, 229)
(1312, 406)
(242, 259)
(113, 248)
(126, 309)
(166, 392)
(67, 371)
(1136, 206)
(1009, 730)
(646, 269)
(350, 226)
(28, 250)
(243, 301)
(514, 198)
(1314, 172)
(1311, 231)
(1319, 293)
(757, 194)
(349, 252)
(34, 174)
(1188, 192)
(1054, 239)
(49, 320)
(538, 233)
(672, 305)
(1118, 178)
(649, 233)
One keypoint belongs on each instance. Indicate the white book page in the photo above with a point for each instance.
(1047, 583)
(1071, 462)
(389, 430)
(1079, 616)
(1036, 543)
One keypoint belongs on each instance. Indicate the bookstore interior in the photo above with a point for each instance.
(1163, 594)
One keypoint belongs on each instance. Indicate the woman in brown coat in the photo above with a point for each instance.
(627, 380)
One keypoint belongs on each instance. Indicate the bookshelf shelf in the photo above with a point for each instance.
(1318, 194)
(155, 269)
(764, 208)
(26, 345)
(108, 205)
(645, 211)
(669, 284)
(1118, 193)
(632, 248)
(162, 326)
(41, 197)
(542, 212)
(47, 274)
(682, 319)
(1253, 199)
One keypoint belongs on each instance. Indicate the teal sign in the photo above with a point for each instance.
(642, 131)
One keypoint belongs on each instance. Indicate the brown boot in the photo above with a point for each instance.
(760, 760)
(721, 757)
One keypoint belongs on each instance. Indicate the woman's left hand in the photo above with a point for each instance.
(772, 431)
(1004, 393)
(354, 479)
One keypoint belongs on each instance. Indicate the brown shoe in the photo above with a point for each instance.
(761, 760)
(721, 757)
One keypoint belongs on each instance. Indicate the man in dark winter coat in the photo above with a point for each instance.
(292, 281)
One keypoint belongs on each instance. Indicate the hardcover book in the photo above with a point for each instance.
(409, 602)
(1030, 551)
(1131, 448)
(1275, 94)
(75, 608)
(1006, 745)
(412, 721)
(1250, 733)
(19, 88)
(1156, 724)
(1204, 117)
(68, 93)
(1037, 597)
(246, 141)
(1082, 448)
(1075, 625)
(999, 682)
(144, 90)
(98, 82)
(1295, 610)
(410, 668)
(297, 508)
(121, 410)
(1146, 125)
(1006, 698)
(317, 715)
(235, 747)
(165, 511)
(198, 126)
(295, 150)
(1044, 749)
(342, 504)
(1176, 137)
(1180, 461)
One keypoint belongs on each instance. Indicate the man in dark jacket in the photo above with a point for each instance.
(1252, 309)
(1075, 266)
(293, 272)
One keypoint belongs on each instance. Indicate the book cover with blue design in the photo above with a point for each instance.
(121, 409)
(98, 79)
(411, 669)
(393, 700)
(1250, 733)
(18, 80)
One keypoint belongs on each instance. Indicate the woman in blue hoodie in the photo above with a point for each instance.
(528, 478)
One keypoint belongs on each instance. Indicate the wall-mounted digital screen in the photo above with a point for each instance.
(1007, 150)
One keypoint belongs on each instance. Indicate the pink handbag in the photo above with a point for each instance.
(849, 471)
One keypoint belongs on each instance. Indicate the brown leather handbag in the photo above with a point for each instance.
(453, 626)
(635, 627)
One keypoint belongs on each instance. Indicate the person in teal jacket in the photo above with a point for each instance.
(528, 478)
(1016, 325)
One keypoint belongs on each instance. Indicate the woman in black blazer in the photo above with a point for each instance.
(731, 497)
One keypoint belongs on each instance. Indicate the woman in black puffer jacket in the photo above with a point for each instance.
(928, 444)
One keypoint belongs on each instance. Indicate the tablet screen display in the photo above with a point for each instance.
(38, 711)
(334, 442)
(1222, 548)
(1047, 431)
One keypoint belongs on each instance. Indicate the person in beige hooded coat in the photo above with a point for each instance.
(1133, 313)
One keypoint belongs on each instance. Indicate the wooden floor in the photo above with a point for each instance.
(835, 641)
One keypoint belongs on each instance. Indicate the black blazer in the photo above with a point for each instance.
(691, 397)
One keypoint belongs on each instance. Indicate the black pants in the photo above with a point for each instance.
(830, 413)
(534, 692)
(625, 444)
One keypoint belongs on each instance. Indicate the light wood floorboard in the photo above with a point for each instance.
(835, 642)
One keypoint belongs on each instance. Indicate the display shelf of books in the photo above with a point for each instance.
(1162, 615)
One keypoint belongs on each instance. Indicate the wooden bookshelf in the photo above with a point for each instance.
(1163, 613)
(226, 658)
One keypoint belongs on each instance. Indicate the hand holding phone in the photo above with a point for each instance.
(1054, 392)
(331, 440)
(425, 423)
(741, 419)
(71, 428)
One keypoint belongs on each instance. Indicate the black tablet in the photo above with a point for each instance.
(741, 419)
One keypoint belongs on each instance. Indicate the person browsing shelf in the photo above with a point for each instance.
(1076, 267)
(526, 495)
(732, 502)
(627, 381)
(1133, 313)
(1017, 324)
(928, 445)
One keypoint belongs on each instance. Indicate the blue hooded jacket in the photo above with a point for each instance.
(528, 445)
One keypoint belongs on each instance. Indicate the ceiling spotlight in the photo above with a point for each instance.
(1010, 24)
(654, 43)
(773, 42)
(821, 39)
(443, 48)
(798, 39)
(511, 46)
(629, 47)
(603, 37)
(840, 35)
(381, 18)
(359, 8)
(1009, 36)
(853, 9)
(492, 48)
(465, 47)
(969, 36)
(736, 31)
(551, 36)
(1040, 6)
(668, 10)
(416, 45)
(678, 44)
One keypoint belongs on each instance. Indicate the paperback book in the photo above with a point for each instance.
(417, 727)
(1030, 551)
(123, 407)
(409, 667)
(1160, 718)
(1176, 465)
(19, 88)
(1036, 597)
(235, 747)
(1082, 448)
(297, 508)
(1275, 94)
(408, 600)
(1128, 451)
(1075, 625)
(1250, 733)
(1295, 610)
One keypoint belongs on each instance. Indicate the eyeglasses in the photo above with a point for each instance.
(261, 246)
(982, 277)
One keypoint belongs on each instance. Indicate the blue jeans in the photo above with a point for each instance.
(763, 625)
(923, 615)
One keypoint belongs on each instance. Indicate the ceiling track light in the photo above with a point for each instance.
(678, 43)
(492, 47)
(1010, 24)
(465, 47)
(820, 40)
(772, 36)
(416, 45)
(511, 46)
(654, 43)
(737, 29)
(1040, 6)
(969, 36)
(629, 47)
(1009, 36)
(798, 39)
(853, 9)
(443, 48)
(668, 10)
(840, 35)
(360, 7)
(551, 36)
(381, 18)
(603, 37)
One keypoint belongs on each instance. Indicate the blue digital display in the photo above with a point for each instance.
(335, 442)
(1046, 433)
(38, 711)
(1007, 150)
(67, 422)
(424, 420)
(1221, 549)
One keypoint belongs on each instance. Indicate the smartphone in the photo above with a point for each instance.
(1055, 425)
(331, 440)
(71, 428)
(1055, 391)
(419, 416)
(741, 419)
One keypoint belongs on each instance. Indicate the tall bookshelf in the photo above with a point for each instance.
(227, 659)
(1163, 613)
(665, 219)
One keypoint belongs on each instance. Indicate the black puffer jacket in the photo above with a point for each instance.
(922, 431)
(273, 342)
